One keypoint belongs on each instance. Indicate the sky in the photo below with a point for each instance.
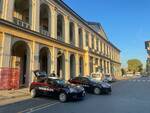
(126, 23)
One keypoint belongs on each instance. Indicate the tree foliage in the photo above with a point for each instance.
(135, 65)
(123, 71)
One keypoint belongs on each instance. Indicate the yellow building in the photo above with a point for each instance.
(48, 35)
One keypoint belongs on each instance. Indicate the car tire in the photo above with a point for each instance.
(62, 97)
(97, 91)
(33, 93)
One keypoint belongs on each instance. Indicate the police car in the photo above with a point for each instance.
(91, 85)
(54, 87)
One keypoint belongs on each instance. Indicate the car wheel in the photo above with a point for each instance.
(33, 93)
(97, 91)
(62, 97)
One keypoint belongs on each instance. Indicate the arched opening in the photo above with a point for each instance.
(60, 27)
(44, 60)
(80, 38)
(91, 65)
(1, 5)
(81, 66)
(44, 20)
(72, 33)
(21, 59)
(61, 65)
(72, 66)
(21, 13)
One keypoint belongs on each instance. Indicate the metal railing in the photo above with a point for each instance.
(60, 38)
(21, 23)
(44, 32)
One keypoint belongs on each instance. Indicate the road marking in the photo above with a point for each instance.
(31, 110)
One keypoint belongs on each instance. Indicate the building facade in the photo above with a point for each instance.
(48, 35)
(147, 47)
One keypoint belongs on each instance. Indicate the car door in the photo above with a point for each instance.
(52, 87)
(43, 87)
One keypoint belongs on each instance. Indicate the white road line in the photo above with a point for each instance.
(31, 110)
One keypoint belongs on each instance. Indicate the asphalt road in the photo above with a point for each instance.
(131, 96)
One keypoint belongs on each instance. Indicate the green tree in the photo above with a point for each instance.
(135, 65)
(123, 71)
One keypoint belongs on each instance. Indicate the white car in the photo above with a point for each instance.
(108, 78)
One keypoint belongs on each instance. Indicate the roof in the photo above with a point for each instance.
(66, 7)
(98, 28)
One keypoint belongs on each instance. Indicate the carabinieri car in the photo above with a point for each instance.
(52, 86)
(92, 86)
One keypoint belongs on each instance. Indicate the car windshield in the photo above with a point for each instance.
(93, 80)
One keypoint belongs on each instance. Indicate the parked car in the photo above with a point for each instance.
(108, 78)
(54, 87)
(92, 86)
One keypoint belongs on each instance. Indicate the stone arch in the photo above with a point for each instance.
(45, 19)
(60, 27)
(21, 10)
(81, 66)
(72, 33)
(61, 64)
(20, 58)
(45, 59)
(80, 38)
(72, 66)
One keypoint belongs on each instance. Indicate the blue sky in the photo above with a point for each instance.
(126, 22)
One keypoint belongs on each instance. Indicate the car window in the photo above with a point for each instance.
(85, 80)
(76, 78)
(50, 81)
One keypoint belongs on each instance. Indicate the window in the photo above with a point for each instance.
(71, 31)
(0, 6)
(60, 27)
(97, 44)
(80, 38)
(92, 41)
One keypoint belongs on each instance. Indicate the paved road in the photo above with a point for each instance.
(131, 96)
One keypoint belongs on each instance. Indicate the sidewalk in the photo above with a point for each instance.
(11, 96)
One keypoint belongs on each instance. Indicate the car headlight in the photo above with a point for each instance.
(105, 85)
(72, 90)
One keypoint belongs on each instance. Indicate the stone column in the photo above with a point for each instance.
(34, 15)
(66, 29)
(53, 22)
(7, 10)
(67, 64)
(86, 64)
(54, 60)
(77, 64)
(35, 57)
(76, 35)
(5, 51)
